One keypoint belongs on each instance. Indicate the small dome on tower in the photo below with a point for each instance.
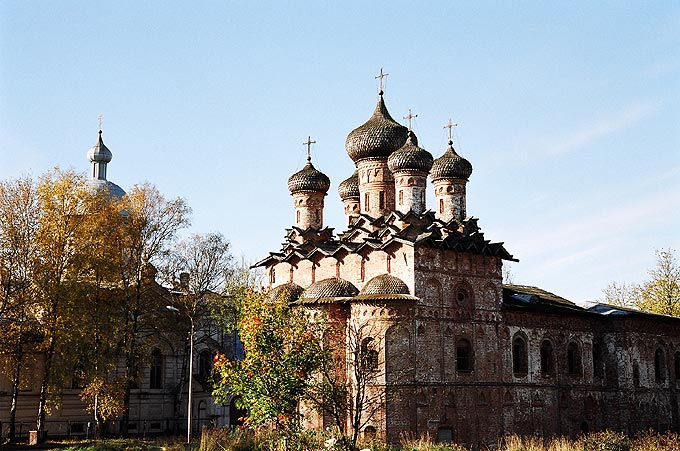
(410, 156)
(99, 152)
(309, 179)
(349, 188)
(329, 288)
(378, 137)
(451, 165)
(384, 284)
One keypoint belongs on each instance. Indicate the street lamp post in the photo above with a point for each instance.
(191, 370)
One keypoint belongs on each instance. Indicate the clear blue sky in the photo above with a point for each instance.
(568, 111)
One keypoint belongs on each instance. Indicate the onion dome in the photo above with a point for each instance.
(329, 288)
(451, 165)
(289, 292)
(309, 179)
(98, 185)
(410, 156)
(384, 284)
(378, 137)
(99, 152)
(349, 188)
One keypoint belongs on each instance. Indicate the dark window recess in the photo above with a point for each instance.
(520, 364)
(463, 356)
(677, 366)
(547, 358)
(155, 425)
(156, 371)
(77, 428)
(598, 361)
(382, 200)
(660, 365)
(204, 366)
(369, 356)
(574, 359)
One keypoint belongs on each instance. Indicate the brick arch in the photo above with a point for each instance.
(398, 352)
(433, 292)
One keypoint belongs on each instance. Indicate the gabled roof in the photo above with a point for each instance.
(365, 232)
(533, 298)
(615, 310)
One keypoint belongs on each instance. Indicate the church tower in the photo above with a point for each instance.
(450, 174)
(348, 190)
(410, 166)
(100, 155)
(369, 146)
(308, 187)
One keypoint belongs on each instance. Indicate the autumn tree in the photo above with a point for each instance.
(146, 228)
(98, 347)
(65, 207)
(349, 385)
(282, 354)
(198, 268)
(659, 294)
(18, 227)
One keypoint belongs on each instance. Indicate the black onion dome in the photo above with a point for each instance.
(378, 137)
(330, 288)
(309, 179)
(289, 292)
(451, 165)
(410, 156)
(349, 188)
(384, 284)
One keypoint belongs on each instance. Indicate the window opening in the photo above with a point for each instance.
(519, 356)
(573, 359)
(463, 355)
(547, 357)
(156, 372)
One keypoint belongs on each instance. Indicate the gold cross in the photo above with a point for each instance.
(409, 117)
(381, 76)
(309, 147)
(100, 117)
(450, 126)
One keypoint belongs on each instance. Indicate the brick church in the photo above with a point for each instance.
(463, 356)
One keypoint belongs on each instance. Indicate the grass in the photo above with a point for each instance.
(239, 440)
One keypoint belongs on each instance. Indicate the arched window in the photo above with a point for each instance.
(204, 365)
(369, 356)
(272, 275)
(463, 356)
(547, 358)
(660, 365)
(441, 206)
(598, 364)
(382, 200)
(574, 367)
(156, 370)
(367, 203)
(369, 432)
(520, 364)
(297, 213)
(401, 197)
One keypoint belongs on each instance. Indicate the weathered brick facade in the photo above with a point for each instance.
(462, 356)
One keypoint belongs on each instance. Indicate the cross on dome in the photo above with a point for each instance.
(409, 117)
(309, 143)
(381, 76)
(100, 118)
(450, 126)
